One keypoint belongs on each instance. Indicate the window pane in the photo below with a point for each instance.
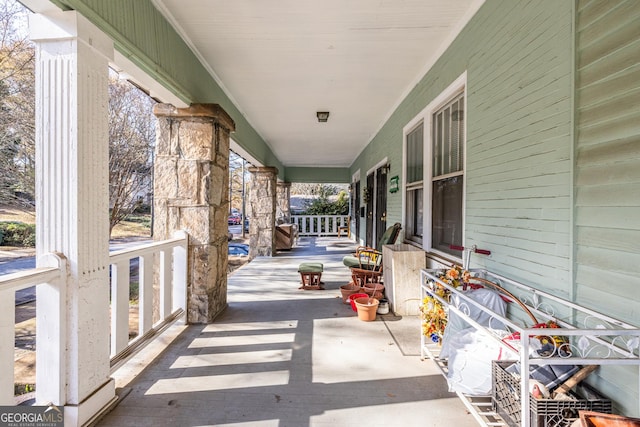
(446, 141)
(415, 152)
(448, 138)
(437, 143)
(415, 214)
(455, 138)
(446, 223)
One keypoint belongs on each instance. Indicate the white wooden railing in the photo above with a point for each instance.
(50, 282)
(171, 258)
(319, 225)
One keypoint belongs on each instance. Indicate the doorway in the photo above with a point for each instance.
(356, 208)
(376, 200)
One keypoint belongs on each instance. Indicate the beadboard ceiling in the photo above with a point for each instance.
(281, 61)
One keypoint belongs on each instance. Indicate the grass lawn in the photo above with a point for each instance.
(134, 226)
(12, 213)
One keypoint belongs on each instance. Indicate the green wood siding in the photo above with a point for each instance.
(313, 175)
(607, 183)
(518, 173)
(142, 34)
(553, 152)
(518, 59)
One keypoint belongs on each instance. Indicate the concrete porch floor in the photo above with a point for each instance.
(280, 356)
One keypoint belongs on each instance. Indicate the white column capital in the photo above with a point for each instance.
(69, 25)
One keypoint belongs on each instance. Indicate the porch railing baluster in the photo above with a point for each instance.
(318, 225)
(7, 335)
(145, 298)
(119, 306)
(179, 293)
(165, 260)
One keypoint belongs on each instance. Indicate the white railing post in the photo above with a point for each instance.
(165, 282)
(179, 297)
(119, 306)
(145, 293)
(7, 338)
(51, 333)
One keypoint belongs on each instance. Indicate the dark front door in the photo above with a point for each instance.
(381, 203)
(356, 208)
(376, 198)
(369, 197)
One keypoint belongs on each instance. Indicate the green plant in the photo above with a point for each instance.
(15, 233)
(134, 291)
(323, 206)
(20, 389)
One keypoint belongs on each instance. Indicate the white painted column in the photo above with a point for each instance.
(72, 202)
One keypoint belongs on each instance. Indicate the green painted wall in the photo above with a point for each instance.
(142, 34)
(313, 175)
(519, 140)
(607, 183)
(518, 60)
(552, 191)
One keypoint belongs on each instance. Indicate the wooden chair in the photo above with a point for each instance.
(369, 269)
(388, 238)
(346, 228)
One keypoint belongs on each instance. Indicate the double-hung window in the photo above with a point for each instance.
(415, 184)
(447, 173)
(434, 172)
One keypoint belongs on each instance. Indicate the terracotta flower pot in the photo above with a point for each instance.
(373, 289)
(352, 299)
(347, 290)
(367, 308)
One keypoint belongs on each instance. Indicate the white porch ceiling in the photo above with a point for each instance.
(281, 61)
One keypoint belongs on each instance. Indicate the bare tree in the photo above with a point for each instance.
(236, 180)
(17, 104)
(131, 136)
(131, 125)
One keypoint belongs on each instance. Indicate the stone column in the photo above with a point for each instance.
(262, 229)
(72, 203)
(191, 193)
(283, 208)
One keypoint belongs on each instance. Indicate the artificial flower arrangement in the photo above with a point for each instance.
(432, 313)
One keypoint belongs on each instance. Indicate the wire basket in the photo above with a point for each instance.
(543, 412)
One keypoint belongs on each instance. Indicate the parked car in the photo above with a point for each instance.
(234, 220)
(238, 249)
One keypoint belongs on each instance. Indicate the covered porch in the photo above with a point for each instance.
(281, 356)
(542, 172)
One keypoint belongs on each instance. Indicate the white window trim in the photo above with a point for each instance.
(410, 127)
(356, 176)
(378, 166)
(426, 117)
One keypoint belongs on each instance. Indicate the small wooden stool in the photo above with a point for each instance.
(310, 275)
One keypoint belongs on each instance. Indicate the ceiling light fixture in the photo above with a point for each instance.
(323, 116)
